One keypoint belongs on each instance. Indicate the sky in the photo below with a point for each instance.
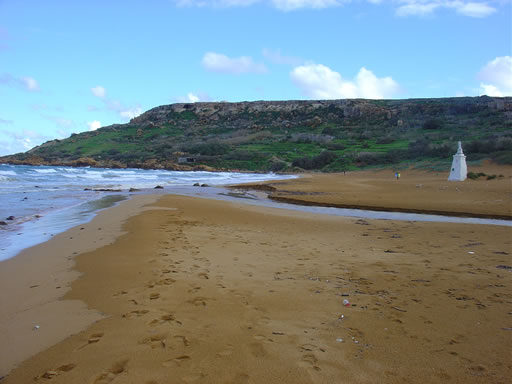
(73, 66)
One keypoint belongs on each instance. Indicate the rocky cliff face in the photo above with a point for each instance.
(353, 108)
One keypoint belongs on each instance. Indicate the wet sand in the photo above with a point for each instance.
(416, 191)
(205, 291)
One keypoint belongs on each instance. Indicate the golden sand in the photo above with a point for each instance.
(207, 291)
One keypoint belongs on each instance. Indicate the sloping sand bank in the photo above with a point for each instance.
(416, 191)
(206, 291)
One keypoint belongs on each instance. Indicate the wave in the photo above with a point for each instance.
(45, 170)
(8, 173)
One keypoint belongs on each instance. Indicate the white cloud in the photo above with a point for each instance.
(276, 57)
(474, 9)
(30, 84)
(130, 113)
(318, 81)
(217, 62)
(290, 5)
(404, 7)
(99, 91)
(94, 125)
(25, 83)
(283, 5)
(19, 141)
(427, 7)
(4, 121)
(416, 9)
(125, 112)
(215, 3)
(193, 97)
(496, 77)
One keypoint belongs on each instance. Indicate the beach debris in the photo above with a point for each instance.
(154, 296)
(36, 327)
(471, 252)
(158, 187)
(277, 333)
(50, 374)
(507, 329)
(341, 317)
(339, 340)
(399, 309)
(501, 266)
(346, 303)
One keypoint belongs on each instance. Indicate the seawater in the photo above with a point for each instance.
(45, 200)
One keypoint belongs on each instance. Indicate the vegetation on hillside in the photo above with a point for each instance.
(280, 136)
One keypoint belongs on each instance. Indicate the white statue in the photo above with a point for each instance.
(459, 170)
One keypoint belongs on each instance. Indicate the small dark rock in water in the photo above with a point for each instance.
(197, 185)
(37, 186)
(10, 218)
(3, 223)
(102, 190)
(204, 185)
(159, 187)
(501, 266)
(133, 190)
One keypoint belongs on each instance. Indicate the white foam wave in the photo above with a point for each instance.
(8, 173)
(45, 170)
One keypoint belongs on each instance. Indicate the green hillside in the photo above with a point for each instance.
(329, 135)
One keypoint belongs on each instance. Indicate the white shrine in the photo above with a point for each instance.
(459, 169)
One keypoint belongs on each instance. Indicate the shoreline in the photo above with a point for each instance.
(190, 247)
(416, 192)
(39, 277)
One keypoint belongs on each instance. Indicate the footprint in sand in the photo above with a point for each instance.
(179, 360)
(137, 313)
(115, 370)
(155, 341)
(198, 301)
(55, 372)
(309, 360)
(93, 339)
(169, 318)
(227, 351)
(184, 339)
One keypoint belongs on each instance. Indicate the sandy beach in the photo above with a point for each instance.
(186, 290)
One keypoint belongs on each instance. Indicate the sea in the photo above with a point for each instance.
(38, 202)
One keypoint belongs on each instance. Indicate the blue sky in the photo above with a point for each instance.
(70, 66)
